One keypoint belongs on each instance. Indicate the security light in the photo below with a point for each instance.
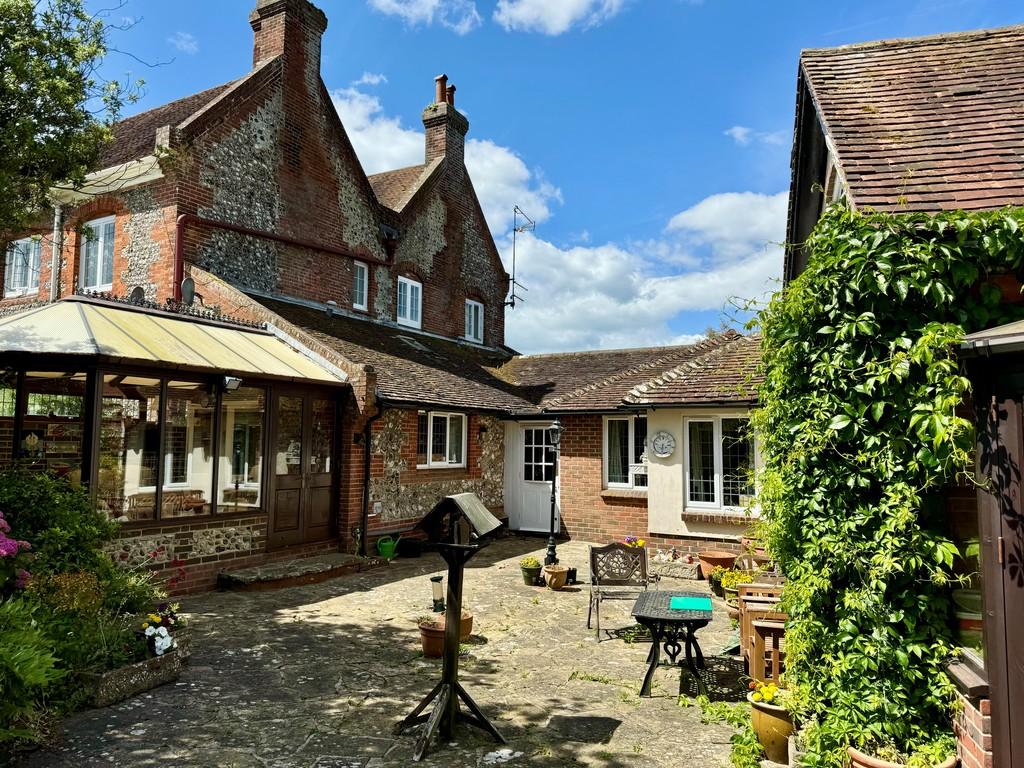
(231, 383)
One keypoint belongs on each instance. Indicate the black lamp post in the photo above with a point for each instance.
(555, 435)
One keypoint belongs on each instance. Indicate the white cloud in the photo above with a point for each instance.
(370, 78)
(184, 42)
(460, 16)
(606, 297)
(731, 223)
(501, 178)
(745, 136)
(553, 17)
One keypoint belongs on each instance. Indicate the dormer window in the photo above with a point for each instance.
(98, 255)
(21, 269)
(474, 321)
(410, 301)
(360, 286)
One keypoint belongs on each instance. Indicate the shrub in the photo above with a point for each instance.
(529, 562)
(860, 432)
(66, 532)
(27, 666)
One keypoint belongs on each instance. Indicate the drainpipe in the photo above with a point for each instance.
(186, 220)
(57, 242)
(367, 457)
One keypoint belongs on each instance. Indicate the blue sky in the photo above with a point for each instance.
(650, 139)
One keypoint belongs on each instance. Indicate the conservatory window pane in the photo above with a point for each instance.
(129, 447)
(737, 462)
(618, 451)
(242, 414)
(188, 450)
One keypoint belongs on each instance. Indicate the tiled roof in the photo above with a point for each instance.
(410, 367)
(395, 188)
(727, 373)
(135, 136)
(599, 380)
(927, 123)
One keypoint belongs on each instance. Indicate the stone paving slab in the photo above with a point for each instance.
(300, 571)
(317, 676)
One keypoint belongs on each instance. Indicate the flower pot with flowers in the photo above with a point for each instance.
(715, 580)
(634, 541)
(770, 719)
(731, 581)
(530, 567)
(940, 753)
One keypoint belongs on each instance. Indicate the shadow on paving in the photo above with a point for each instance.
(319, 675)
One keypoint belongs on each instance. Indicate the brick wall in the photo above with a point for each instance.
(973, 727)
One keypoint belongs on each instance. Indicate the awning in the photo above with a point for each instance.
(133, 335)
(1002, 338)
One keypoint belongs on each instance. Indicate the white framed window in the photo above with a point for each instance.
(625, 452)
(97, 269)
(538, 455)
(21, 268)
(718, 462)
(360, 286)
(410, 302)
(440, 439)
(474, 321)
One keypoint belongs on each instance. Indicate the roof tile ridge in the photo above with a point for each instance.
(686, 369)
(893, 42)
(710, 343)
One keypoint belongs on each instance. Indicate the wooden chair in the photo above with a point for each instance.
(768, 653)
(757, 602)
(617, 572)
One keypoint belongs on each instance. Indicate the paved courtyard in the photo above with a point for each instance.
(318, 675)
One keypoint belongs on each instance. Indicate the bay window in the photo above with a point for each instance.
(625, 452)
(410, 299)
(21, 268)
(97, 271)
(440, 439)
(719, 462)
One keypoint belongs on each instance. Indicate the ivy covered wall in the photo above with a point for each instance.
(860, 432)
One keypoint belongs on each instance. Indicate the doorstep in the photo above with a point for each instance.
(293, 573)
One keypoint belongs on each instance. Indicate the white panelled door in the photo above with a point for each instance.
(529, 469)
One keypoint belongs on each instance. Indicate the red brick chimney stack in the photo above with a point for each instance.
(293, 27)
(441, 82)
(446, 128)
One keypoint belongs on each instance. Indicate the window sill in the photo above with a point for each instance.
(624, 493)
(408, 324)
(357, 308)
(969, 681)
(440, 466)
(718, 515)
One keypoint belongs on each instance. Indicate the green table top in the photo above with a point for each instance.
(689, 603)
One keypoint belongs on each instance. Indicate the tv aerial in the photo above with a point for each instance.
(520, 223)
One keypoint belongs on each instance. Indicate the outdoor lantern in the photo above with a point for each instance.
(555, 436)
(438, 592)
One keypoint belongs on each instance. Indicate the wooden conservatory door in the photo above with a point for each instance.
(304, 468)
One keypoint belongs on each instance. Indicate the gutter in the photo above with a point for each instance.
(367, 456)
(57, 243)
(186, 220)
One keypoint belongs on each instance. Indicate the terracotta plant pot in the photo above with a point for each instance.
(712, 557)
(860, 760)
(773, 727)
(432, 638)
(465, 626)
(531, 576)
(555, 576)
(732, 596)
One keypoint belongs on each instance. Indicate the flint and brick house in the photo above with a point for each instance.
(926, 125)
(249, 350)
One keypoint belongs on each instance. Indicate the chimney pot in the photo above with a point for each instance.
(441, 81)
(451, 95)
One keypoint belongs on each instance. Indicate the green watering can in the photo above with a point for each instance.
(386, 546)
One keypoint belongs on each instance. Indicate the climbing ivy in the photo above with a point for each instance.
(861, 430)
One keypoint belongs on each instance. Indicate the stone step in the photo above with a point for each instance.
(300, 570)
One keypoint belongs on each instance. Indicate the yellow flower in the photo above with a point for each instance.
(145, 625)
(755, 696)
(154, 618)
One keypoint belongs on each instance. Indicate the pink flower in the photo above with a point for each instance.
(22, 578)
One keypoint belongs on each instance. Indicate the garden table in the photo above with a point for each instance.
(673, 619)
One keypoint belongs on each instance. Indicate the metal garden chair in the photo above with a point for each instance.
(617, 572)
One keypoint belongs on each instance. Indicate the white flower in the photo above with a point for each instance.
(150, 631)
(162, 632)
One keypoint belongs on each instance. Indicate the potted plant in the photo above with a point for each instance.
(770, 720)
(731, 580)
(939, 753)
(555, 576)
(715, 580)
(432, 632)
(530, 566)
(709, 558)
